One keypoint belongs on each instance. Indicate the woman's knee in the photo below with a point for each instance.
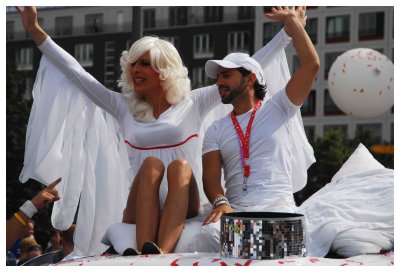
(179, 172)
(180, 165)
(152, 163)
(151, 171)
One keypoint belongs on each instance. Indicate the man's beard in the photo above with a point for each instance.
(234, 93)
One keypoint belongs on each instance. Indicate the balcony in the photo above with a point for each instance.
(76, 31)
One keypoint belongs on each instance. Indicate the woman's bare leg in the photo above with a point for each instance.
(182, 201)
(143, 205)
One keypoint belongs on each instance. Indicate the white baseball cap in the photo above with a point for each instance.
(236, 60)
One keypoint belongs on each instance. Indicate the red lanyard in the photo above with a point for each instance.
(244, 142)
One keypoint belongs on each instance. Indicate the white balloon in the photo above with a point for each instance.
(361, 83)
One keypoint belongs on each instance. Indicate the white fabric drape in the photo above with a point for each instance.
(69, 137)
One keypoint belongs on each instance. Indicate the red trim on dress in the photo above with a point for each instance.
(162, 147)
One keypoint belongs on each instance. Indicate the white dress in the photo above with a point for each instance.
(97, 147)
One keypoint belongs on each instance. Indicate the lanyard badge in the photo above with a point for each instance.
(244, 141)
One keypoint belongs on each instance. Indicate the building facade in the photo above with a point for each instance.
(96, 36)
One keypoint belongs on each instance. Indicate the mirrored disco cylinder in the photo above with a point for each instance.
(263, 235)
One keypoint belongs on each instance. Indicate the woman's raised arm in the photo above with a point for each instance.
(31, 24)
(70, 67)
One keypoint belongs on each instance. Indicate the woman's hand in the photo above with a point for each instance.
(31, 24)
(28, 17)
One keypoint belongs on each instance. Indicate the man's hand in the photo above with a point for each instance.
(47, 195)
(289, 16)
(301, 11)
(217, 212)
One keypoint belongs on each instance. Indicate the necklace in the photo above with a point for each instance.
(244, 141)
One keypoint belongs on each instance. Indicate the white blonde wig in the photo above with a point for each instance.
(165, 60)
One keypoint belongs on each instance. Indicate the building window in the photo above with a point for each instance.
(109, 64)
(329, 60)
(330, 107)
(312, 29)
(94, 23)
(174, 40)
(213, 14)
(308, 107)
(178, 16)
(270, 30)
(245, 13)
(342, 129)
(84, 54)
(28, 88)
(10, 30)
(120, 20)
(310, 132)
(24, 58)
(63, 25)
(374, 129)
(338, 29)
(149, 18)
(371, 26)
(239, 41)
(199, 77)
(203, 46)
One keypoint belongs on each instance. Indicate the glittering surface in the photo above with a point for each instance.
(261, 239)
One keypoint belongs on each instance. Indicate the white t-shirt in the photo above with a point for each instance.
(269, 184)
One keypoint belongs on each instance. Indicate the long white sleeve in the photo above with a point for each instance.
(100, 95)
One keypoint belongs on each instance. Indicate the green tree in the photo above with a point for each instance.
(331, 151)
(366, 137)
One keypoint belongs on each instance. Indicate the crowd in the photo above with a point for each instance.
(22, 246)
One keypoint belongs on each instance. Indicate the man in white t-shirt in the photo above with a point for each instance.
(253, 144)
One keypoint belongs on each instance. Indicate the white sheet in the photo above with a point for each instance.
(355, 213)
